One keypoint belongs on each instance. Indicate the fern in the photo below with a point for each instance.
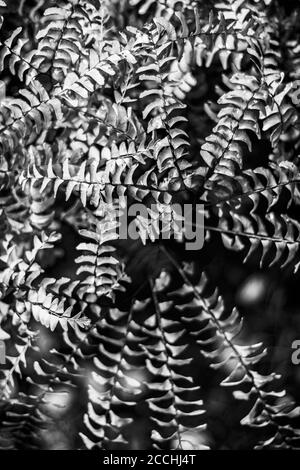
(111, 106)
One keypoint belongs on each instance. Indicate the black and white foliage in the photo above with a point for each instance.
(112, 100)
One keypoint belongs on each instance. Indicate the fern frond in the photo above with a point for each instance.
(14, 51)
(50, 310)
(19, 272)
(111, 383)
(99, 263)
(118, 177)
(17, 353)
(259, 186)
(277, 237)
(27, 118)
(106, 110)
(178, 399)
(222, 151)
(216, 336)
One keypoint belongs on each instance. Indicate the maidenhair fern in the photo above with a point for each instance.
(106, 104)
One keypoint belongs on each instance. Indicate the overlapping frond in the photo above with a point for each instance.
(277, 237)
